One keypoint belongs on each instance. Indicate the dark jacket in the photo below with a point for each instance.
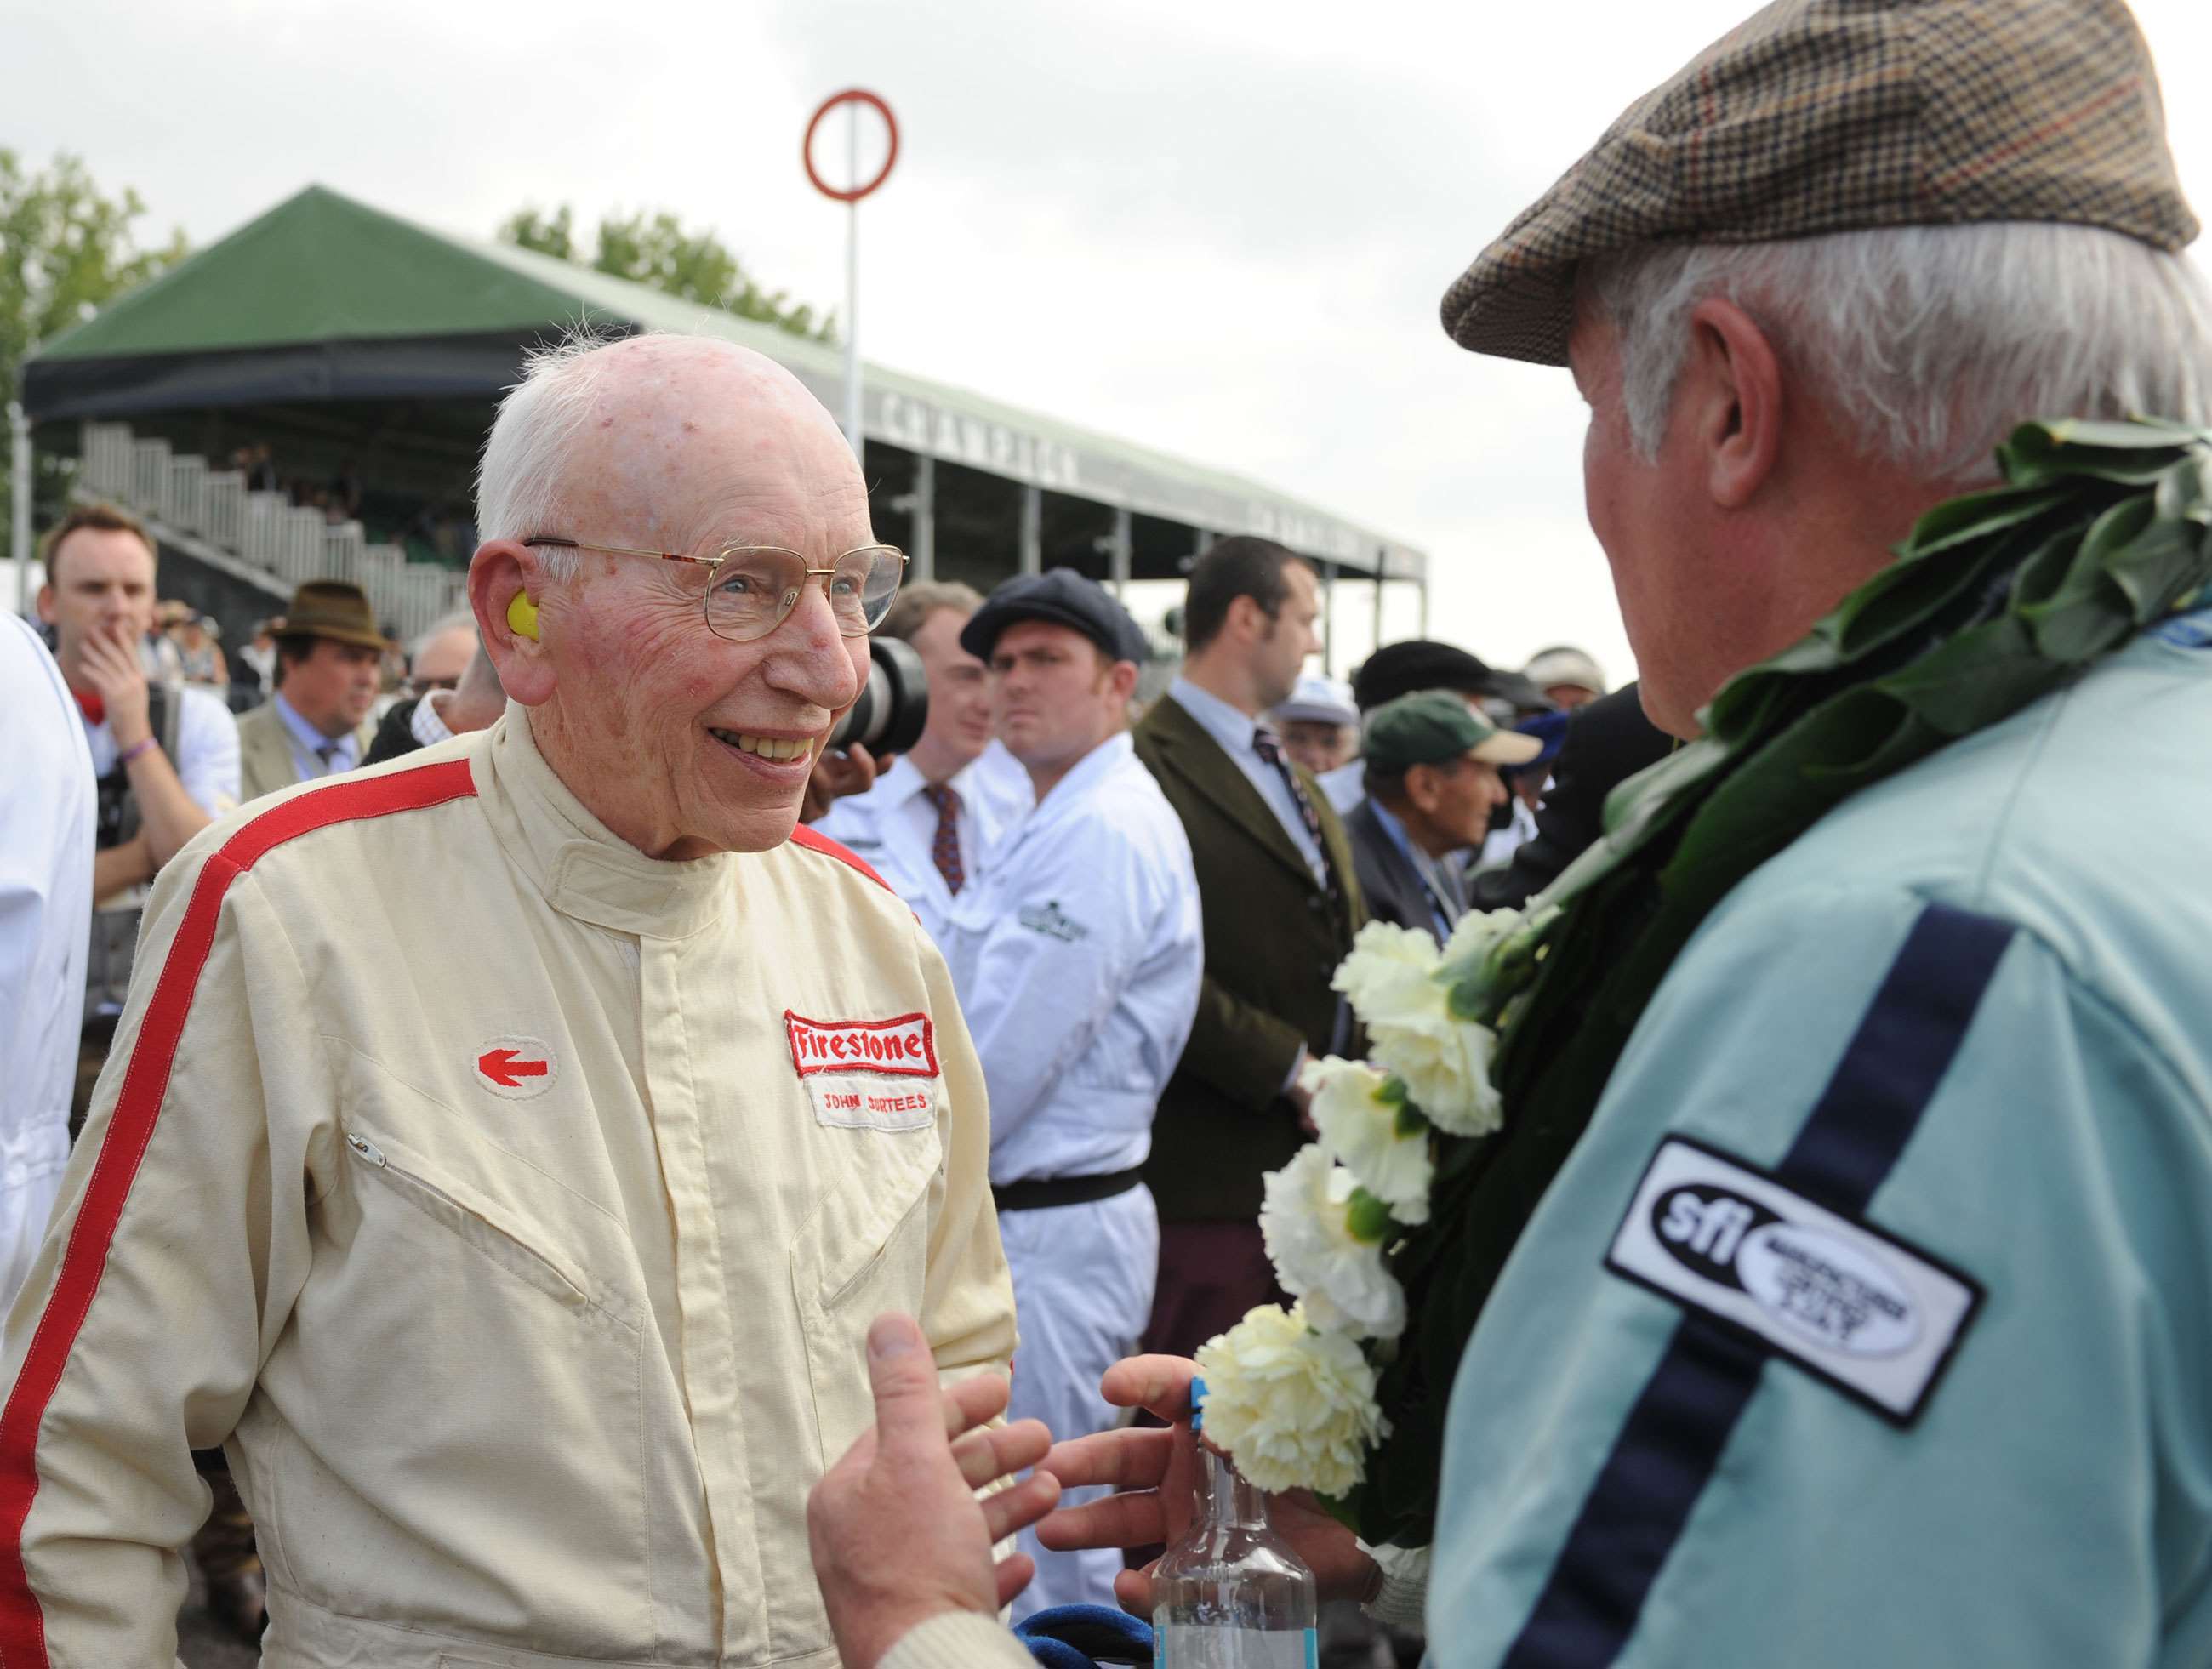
(1389, 886)
(1608, 742)
(1272, 945)
(395, 736)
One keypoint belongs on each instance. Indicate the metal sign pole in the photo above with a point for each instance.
(18, 424)
(850, 196)
(853, 435)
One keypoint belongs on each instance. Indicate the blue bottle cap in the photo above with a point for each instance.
(1197, 1403)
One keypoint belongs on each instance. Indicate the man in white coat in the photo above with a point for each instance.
(931, 820)
(1078, 961)
(504, 1151)
(46, 819)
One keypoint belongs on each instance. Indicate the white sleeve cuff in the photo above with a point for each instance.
(957, 1640)
(1403, 1599)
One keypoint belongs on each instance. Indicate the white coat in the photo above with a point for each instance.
(1078, 961)
(894, 827)
(46, 815)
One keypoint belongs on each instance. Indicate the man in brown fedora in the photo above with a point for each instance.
(329, 659)
(1841, 1261)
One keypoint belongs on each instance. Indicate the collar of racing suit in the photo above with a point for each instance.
(582, 867)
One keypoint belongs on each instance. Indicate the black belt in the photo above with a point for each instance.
(1062, 1191)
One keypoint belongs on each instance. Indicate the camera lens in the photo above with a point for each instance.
(894, 705)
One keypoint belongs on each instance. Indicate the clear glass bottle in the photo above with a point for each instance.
(1230, 1594)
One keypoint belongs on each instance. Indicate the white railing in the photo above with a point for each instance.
(264, 529)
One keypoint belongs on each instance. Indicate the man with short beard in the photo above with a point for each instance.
(504, 1152)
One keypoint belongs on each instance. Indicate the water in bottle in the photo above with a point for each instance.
(1230, 1594)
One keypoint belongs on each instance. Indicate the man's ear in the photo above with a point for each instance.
(500, 574)
(1121, 679)
(47, 604)
(1732, 382)
(1421, 788)
(1246, 618)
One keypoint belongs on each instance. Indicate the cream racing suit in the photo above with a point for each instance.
(513, 1206)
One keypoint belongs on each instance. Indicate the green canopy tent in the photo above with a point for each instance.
(358, 342)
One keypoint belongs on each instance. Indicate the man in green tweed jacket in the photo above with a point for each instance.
(1280, 902)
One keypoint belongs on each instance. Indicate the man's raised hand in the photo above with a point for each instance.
(897, 1533)
(1153, 1471)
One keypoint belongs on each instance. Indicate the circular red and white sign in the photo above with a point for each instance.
(857, 190)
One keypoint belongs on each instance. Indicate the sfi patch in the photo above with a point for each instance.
(1874, 1317)
(867, 1074)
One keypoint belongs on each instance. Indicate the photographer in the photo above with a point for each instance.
(928, 820)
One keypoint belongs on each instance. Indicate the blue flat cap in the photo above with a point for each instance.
(1065, 597)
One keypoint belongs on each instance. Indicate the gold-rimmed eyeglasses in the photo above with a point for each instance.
(750, 589)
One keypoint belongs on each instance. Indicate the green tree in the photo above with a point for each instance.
(654, 248)
(549, 235)
(66, 249)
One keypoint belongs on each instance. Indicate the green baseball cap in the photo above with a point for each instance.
(1430, 726)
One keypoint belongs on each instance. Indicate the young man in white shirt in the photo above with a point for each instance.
(929, 822)
(99, 599)
(1077, 958)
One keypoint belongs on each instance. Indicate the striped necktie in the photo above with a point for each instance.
(1270, 750)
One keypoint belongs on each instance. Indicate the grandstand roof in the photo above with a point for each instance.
(324, 298)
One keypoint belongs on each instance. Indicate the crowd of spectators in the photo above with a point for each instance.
(1183, 874)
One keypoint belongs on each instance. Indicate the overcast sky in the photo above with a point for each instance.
(1217, 229)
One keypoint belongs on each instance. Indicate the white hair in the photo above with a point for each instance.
(1929, 343)
(461, 620)
(517, 482)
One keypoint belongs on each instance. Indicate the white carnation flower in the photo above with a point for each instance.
(1388, 971)
(1445, 1063)
(1361, 1124)
(1307, 1222)
(1478, 933)
(1294, 1408)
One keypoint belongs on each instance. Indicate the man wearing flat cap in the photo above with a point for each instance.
(1864, 1317)
(1431, 766)
(1077, 957)
(330, 662)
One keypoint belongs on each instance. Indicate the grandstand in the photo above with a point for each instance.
(360, 354)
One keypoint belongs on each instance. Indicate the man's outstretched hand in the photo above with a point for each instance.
(897, 1533)
(1154, 1470)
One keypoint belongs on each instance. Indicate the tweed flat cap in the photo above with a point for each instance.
(1819, 116)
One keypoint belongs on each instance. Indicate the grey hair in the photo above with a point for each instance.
(517, 482)
(461, 620)
(1929, 343)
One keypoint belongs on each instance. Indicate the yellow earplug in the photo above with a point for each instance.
(522, 615)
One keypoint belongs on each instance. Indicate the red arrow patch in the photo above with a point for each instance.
(515, 1067)
(501, 1066)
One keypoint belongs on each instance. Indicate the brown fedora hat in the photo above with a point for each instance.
(334, 610)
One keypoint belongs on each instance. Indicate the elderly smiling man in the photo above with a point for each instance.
(505, 1152)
